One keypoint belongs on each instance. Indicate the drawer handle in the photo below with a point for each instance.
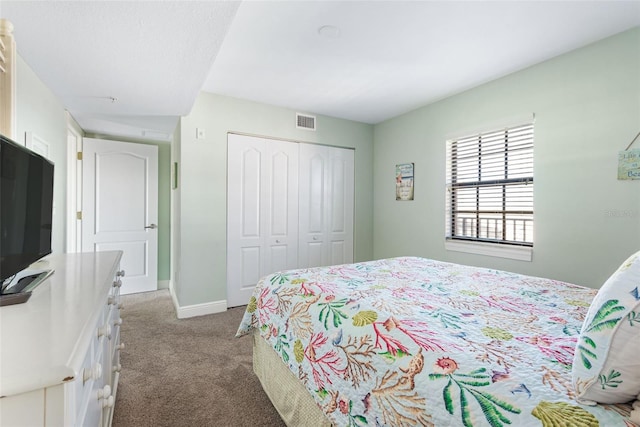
(120, 346)
(120, 306)
(120, 273)
(117, 283)
(105, 331)
(117, 322)
(117, 368)
(104, 394)
(92, 374)
(108, 402)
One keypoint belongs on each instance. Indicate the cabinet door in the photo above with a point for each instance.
(262, 212)
(325, 206)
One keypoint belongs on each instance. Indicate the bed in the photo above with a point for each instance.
(410, 341)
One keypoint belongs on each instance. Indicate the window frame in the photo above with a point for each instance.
(521, 249)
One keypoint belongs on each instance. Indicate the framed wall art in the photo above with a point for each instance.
(404, 181)
(629, 162)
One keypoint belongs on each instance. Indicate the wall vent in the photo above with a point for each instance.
(305, 121)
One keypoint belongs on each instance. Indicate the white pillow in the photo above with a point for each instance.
(606, 363)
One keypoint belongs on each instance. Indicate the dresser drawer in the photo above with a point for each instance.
(90, 371)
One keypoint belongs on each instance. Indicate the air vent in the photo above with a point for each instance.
(304, 121)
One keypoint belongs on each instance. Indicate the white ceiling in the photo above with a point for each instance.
(152, 56)
(389, 57)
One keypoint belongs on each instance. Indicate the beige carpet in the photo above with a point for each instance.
(189, 372)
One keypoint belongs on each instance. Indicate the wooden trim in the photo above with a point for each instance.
(7, 80)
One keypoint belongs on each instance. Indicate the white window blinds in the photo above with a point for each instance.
(490, 186)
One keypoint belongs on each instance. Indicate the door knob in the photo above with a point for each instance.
(152, 226)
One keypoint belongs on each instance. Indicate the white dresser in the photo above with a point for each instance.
(60, 351)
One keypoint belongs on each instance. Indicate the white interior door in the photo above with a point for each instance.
(120, 207)
(262, 212)
(326, 205)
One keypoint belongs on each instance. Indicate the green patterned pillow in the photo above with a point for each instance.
(606, 363)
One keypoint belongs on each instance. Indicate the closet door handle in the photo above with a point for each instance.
(152, 226)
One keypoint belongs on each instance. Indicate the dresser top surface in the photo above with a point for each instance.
(43, 341)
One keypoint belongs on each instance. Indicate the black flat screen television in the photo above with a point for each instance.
(26, 209)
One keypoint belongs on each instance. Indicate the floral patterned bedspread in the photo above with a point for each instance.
(411, 341)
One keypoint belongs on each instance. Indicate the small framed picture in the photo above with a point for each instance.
(629, 164)
(404, 181)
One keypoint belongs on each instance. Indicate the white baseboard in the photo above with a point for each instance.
(201, 309)
(197, 309)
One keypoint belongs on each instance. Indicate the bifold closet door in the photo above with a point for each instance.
(262, 212)
(326, 206)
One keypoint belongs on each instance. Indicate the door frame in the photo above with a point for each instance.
(74, 186)
(73, 208)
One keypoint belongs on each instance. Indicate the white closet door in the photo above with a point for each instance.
(262, 212)
(326, 206)
(280, 214)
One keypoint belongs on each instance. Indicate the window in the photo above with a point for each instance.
(490, 187)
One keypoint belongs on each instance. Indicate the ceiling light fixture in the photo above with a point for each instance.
(329, 31)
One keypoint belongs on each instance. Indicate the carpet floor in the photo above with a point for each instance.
(189, 372)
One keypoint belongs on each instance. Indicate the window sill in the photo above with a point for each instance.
(520, 253)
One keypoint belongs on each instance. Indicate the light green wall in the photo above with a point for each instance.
(200, 272)
(164, 212)
(176, 238)
(39, 111)
(587, 107)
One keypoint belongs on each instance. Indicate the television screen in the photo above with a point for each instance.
(26, 203)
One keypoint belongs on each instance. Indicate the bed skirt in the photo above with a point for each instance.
(290, 398)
